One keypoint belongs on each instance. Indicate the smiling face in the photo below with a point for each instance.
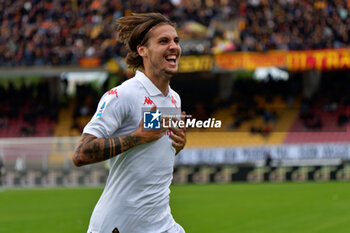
(162, 51)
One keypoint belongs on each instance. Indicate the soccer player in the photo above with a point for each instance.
(136, 195)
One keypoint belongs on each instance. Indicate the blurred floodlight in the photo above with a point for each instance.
(176, 2)
(195, 28)
(266, 73)
(74, 78)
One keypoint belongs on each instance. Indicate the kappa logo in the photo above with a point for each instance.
(148, 101)
(173, 100)
(113, 92)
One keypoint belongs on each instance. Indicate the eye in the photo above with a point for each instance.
(163, 40)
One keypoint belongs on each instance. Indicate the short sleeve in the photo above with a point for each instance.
(111, 112)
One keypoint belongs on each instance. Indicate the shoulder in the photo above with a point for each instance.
(125, 92)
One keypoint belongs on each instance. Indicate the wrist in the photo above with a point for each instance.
(137, 137)
(129, 141)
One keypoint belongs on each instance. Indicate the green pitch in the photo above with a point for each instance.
(238, 207)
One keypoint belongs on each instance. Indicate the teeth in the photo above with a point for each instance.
(171, 57)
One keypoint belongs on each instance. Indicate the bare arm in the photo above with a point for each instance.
(91, 149)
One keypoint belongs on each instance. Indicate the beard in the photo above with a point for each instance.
(164, 71)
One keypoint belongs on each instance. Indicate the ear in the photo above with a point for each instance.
(141, 50)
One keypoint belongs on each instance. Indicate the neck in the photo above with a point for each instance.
(160, 81)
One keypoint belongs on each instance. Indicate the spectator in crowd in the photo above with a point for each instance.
(62, 32)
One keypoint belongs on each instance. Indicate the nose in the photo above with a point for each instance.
(175, 45)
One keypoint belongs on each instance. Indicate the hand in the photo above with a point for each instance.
(179, 135)
(149, 135)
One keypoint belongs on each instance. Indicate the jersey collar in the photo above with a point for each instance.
(147, 83)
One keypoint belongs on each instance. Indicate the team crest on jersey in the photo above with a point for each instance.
(100, 111)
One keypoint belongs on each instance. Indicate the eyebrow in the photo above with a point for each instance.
(167, 37)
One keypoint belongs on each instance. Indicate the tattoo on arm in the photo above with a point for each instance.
(112, 148)
(92, 149)
(129, 141)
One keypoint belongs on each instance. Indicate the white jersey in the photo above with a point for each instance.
(136, 195)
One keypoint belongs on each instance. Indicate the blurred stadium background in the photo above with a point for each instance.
(275, 72)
